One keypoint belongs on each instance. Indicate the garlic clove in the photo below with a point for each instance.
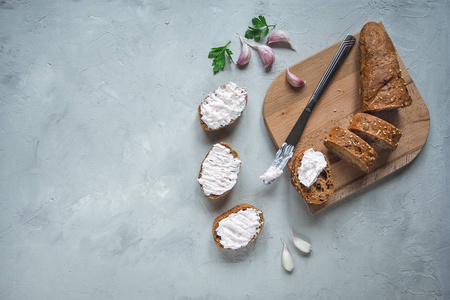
(300, 244)
(266, 53)
(286, 258)
(245, 55)
(279, 36)
(294, 80)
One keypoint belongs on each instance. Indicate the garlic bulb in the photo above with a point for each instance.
(266, 53)
(245, 55)
(294, 80)
(286, 258)
(279, 36)
(301, 245)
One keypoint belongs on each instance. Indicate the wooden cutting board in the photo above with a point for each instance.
(283, 105)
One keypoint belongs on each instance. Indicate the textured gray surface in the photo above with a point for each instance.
(100, 147)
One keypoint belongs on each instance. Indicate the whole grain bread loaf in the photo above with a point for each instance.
(381, 81)
(376, 130)
(321, 190)
(351, 148)
(235, 233)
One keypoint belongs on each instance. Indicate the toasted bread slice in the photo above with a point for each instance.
(246, 223)
(376, 130)
(219, 171)
(319, 191)
(381, 82)
(222, 107)
(351, 148)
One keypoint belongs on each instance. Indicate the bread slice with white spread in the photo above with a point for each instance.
(312, 177)
(219, 171)
(376, 130)
(238, 227)
(222, 107)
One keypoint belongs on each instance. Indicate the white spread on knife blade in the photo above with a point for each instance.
(313, 163)
(220, 171)
(223, 105)
(239, 228)
(271, 174)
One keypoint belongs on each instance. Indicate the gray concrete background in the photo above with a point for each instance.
(100, 148)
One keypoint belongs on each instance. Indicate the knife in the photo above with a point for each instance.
(287, 149)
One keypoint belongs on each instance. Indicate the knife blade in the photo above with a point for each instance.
(287, 148)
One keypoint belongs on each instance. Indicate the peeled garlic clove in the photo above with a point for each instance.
(266, 53)
(294, 80)
(301, 245)
(286, 258)
(279, 36)
(245, 55)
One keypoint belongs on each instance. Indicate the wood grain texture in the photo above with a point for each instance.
(283, 105)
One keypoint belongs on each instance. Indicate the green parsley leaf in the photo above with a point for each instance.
(261, 29)
(218, 53)
(214, 53)
(259, 22)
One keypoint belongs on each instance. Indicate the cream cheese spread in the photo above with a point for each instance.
(223, 105)
(313, 163)
(239, 228)
(271, 174)
(220, 171)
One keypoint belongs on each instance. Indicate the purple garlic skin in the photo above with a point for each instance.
(245, 55)
(279, 36)
(294, 80)
(266, 53)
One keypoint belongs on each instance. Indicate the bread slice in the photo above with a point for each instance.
(381, 81)
(219, 171)
(242, 234)
(319, 191)
(376, 130)
(351, 148)
(222, 107)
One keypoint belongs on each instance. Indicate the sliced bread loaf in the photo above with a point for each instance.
(381, 82)
(237, 227)
(219, 171)
(312, 177)
(351, 148)
(222, 107)
(376, 130)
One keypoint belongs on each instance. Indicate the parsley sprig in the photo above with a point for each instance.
(260, 29)
(218, 53)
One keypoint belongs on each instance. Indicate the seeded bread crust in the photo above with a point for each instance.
(376, 130)
(231, 211)
(321, 190)
(203, 124)
(235, 155)
(381, 82)
(351, 148)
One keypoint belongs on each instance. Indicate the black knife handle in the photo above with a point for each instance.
(341, 54)
(338, 58)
